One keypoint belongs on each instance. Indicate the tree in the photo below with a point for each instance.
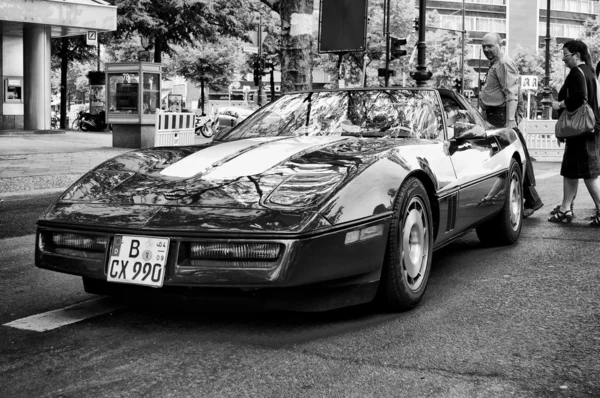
(591, 37)
(213, 65)
(296, 42)
(444, 55)
(65, 50)
(164, 24)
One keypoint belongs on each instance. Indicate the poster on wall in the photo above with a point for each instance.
(97, 95)
(127, 96)
(175, 102)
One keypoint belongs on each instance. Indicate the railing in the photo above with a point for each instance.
(541, 142)
(173, 129)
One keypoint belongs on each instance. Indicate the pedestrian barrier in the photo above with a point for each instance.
(174, 128)
(541, 142)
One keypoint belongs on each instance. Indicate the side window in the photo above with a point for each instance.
(455, 113)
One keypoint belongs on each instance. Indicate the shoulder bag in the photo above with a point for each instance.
(579, 122)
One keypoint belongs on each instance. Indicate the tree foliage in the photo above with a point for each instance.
(164, 24)
(212, 65)
(444, 50)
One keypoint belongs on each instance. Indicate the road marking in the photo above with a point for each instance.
(548, 174)
(65, 316)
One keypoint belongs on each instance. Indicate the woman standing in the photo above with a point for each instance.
(582, 154)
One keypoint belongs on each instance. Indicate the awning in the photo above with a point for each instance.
(64, 17)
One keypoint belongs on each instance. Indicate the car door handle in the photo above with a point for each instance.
(466, 145)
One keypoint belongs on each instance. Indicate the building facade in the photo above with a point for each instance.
(26, 28)
(520, 22)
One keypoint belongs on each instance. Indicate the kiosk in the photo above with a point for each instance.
(133, 96)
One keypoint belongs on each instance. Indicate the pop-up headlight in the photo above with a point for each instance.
(304, 189)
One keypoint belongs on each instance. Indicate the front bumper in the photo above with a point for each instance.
(319, 259)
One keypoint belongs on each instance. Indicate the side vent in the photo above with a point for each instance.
(452, 210)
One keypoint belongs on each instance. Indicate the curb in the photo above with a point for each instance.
(30, 132)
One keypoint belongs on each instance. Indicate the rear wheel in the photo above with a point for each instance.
(505, 228)
(409, 250)
(83, 127)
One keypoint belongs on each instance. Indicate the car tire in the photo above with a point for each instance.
(409, 249)
(505, 228)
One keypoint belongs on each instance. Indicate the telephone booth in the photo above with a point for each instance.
(133, 96)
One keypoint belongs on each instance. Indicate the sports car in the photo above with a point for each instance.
(319, 200)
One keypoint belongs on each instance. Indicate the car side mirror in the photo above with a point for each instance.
(465, 131)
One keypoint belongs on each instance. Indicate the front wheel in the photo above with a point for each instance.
(409, 250)
(505, 228)
(206, 131)
(75, 125)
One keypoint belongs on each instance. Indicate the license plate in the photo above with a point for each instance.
(138, 260)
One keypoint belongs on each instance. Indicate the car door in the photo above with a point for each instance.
(479, 179)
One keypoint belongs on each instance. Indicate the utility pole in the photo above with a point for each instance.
(462, 52)
(386, 34)
(259, 37)
(546, 102)
(421, 75)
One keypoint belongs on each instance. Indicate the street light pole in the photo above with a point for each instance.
(421, 75)
(386, 34)
(546, 102)
(462, 53)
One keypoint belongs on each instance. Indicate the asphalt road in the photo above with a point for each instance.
(519, 321)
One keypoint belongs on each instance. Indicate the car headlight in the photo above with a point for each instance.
(304, 189)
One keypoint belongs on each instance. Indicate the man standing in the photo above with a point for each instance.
(499, 99)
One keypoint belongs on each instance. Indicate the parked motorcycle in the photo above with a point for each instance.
(203, 126)
(88, 122)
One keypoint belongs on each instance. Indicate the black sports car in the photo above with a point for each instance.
(319, 200)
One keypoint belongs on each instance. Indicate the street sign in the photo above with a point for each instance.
(529, 82)
(254, 37)
(91, 38)
(250, 49)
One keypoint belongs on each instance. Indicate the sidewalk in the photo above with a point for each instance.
(50, 161)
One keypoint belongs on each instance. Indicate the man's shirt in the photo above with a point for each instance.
(501, 84)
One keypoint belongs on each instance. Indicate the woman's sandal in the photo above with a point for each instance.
(560, 216)
(595, 219)
(557, 209)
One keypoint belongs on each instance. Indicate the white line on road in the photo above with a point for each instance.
(65, 316)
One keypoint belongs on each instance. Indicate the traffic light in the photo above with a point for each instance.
(258, 70)
(396, 50)
(458, 85)
(416, 24)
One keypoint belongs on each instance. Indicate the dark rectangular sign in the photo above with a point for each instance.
(343, 26)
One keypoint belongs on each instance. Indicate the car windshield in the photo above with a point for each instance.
(391, 113)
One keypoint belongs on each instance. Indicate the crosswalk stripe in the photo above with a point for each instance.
(65, 316)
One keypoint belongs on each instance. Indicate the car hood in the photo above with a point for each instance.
(237, 174)
(274, 183)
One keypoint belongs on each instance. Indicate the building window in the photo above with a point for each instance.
(473, 23)
(561, 30)
(494, 2)
(583, 6)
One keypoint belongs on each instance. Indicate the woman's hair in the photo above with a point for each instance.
(577, 46)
